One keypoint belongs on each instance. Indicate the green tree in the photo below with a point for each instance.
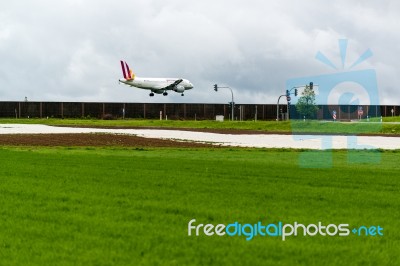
(306, 105)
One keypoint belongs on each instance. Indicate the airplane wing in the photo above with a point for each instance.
(170, 86)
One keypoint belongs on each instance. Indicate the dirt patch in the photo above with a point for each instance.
(92, 140)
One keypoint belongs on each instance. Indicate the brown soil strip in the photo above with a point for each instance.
(92, 140)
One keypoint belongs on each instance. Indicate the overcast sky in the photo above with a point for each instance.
(70, 50)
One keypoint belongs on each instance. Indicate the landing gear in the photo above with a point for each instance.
(165, 93)
(151, 94)
(182, 94)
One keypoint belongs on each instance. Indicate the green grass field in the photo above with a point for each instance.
(115, 206)
(299, 126)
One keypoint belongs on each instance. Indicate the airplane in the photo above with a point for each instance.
(156, 85)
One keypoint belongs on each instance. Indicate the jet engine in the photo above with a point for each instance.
(179, 88)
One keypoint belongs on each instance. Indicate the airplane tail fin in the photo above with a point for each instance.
(126, 71)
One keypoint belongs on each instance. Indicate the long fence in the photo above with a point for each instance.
(181, 111)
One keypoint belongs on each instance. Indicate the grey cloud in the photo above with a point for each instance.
(70, 50)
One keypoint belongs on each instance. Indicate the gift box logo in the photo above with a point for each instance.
(345, 94)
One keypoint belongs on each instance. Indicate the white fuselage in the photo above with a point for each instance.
(156, 84)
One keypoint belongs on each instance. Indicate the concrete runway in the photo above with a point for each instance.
(318, 142)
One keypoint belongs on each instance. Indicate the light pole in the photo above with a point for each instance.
(216, 87)
(288, 98)
(288, 92)
(277, 107)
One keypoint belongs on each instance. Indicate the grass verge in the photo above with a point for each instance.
(115, 206)
(296, 126)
